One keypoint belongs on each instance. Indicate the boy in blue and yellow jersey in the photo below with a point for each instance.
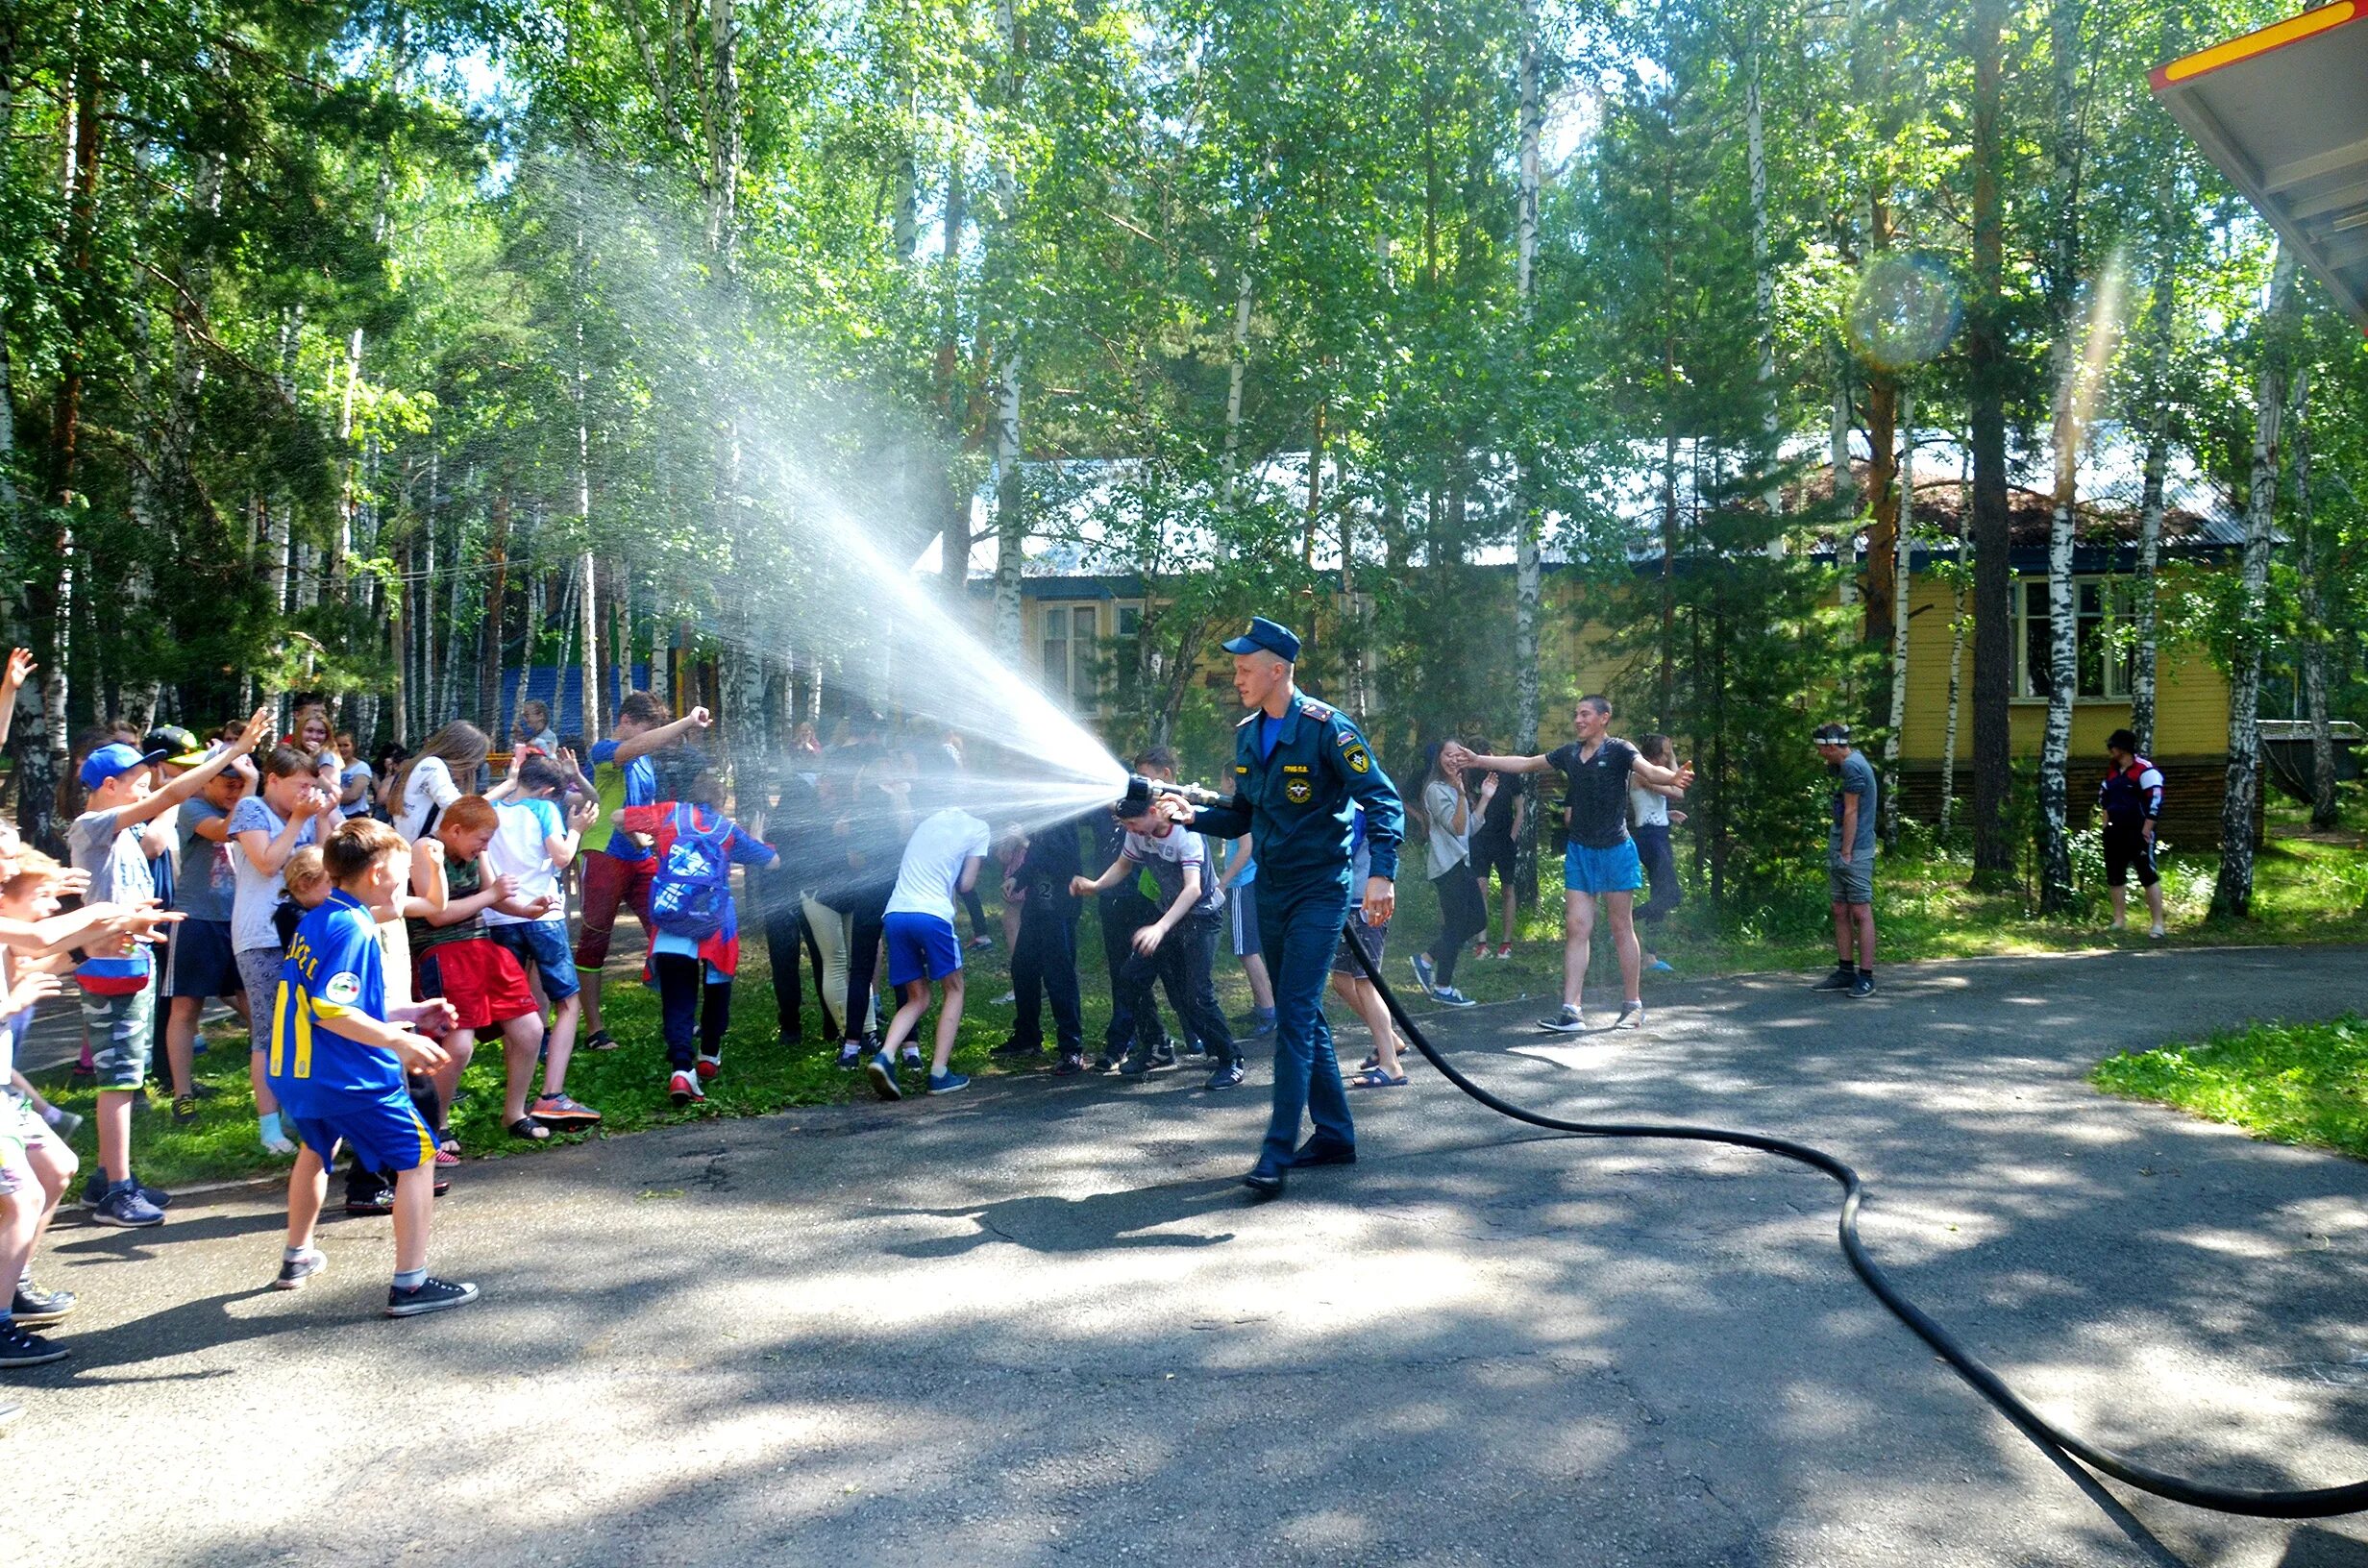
(336, 1062)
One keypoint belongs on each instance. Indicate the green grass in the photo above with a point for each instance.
(2307, 892)
(2305, 1084)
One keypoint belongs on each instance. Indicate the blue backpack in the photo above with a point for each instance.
(691, 890)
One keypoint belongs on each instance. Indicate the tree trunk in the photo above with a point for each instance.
(1762, 287)
(1011, 489)
(1993, 761)
(1957, 670)
(953, 562)
(1528, 578)
(2146, 609)
(2313, 620)
(2055, 890)
(2232, 893)
(1896, 595)
(1237, 374)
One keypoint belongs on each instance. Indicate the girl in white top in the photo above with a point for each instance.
(1649, 813)
(442, 770)
(1450, 816)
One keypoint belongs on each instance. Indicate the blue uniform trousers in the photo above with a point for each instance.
(1300, 930)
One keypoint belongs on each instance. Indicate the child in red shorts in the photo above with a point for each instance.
(455, 959)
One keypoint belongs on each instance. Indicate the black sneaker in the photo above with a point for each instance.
(1840, 979)
(369, 1200)
(185, 1109)
(17, 1348)
(1164, 1056)
(1109, 1062)
(1071, 1064)
(1861, 985)
(295, 1271)
(850, 1057)
(36, 1308)
(1014, 1046)
(1227, 1076)
(428, 1295)
(1569, 1020)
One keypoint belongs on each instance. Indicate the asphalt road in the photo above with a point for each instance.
(1037, 1323)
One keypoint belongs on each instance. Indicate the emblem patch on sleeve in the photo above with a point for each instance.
(1357, 759)
(344, 989)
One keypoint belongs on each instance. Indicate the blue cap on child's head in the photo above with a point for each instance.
(110, 761)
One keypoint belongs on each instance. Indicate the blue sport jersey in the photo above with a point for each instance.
(333, 968)
(1296, 795)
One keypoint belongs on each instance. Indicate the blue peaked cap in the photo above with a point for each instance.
(1262, 633)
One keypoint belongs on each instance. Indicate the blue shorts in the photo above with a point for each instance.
(384, 1131)
(1595, 871)
(920, 948)
(201, 962)
(541, 945)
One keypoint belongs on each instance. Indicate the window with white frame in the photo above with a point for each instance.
(2102, 657)
(1069, 635)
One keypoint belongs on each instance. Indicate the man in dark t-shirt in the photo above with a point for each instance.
(1600, 864)
(1496, 846)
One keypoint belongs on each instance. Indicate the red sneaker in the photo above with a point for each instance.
(709, 1066)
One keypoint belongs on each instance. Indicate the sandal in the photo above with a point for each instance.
(601, 1040)
(447, 1148)
(530, 1130)
(1372, 1060)
(1375, 1078)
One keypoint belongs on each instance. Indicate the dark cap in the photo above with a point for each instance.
(1832, 735)
(170, 738)
(1274, 639)
(1136, 801)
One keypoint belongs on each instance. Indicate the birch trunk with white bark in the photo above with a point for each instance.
(2232, 891)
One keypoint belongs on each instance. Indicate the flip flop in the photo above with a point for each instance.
(1375, 1078)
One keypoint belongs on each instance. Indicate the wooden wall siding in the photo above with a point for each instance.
(2192, 790)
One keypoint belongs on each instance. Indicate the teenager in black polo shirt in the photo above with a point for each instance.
(1600, 865)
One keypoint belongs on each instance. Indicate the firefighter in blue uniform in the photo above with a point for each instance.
(1297, 767)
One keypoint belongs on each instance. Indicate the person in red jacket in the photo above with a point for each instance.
(2131, 798)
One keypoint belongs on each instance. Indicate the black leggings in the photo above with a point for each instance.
(869, 911)
(685, 1013)
(1463, 915)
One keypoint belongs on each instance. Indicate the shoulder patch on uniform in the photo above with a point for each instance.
(1316, 710)
(1346, 736)
(1357, 759)
(344, 989)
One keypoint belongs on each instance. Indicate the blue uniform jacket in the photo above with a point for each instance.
(1297, 800)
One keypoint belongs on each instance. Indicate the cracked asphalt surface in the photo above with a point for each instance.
(1037, 1323)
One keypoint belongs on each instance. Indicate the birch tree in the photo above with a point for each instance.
(2232, 891)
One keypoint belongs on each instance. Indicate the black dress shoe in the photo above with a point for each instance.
(1264, 1181)
(1325, 1151)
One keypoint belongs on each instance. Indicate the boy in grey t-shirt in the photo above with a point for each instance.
(1850, 862)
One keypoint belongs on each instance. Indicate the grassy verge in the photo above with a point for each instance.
(2307, 892)
(2305, 1084)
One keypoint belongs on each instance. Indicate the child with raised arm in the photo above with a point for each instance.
(616, 869)
(265, 830)
(35, 1166)
(117, 979)
(1179, 947)
(339, 1051)
(696, 949)
(533, 846)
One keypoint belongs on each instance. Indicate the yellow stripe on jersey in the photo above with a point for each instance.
(303, 1045)
(279, 1031)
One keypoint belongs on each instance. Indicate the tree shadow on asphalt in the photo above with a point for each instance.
(1518, 1348)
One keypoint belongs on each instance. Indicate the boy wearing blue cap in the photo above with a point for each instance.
(108, 841)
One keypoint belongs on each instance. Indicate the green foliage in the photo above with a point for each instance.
(2305, 1084)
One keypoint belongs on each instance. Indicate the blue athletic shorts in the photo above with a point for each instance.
(201, 962)
(920, 948)
(541, 945)
(1616, 870)
(383, 1131)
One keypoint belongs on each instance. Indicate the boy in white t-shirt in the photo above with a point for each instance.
(941, 863)
(532, 844)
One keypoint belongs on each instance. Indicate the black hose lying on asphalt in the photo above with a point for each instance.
(2317, 1502)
